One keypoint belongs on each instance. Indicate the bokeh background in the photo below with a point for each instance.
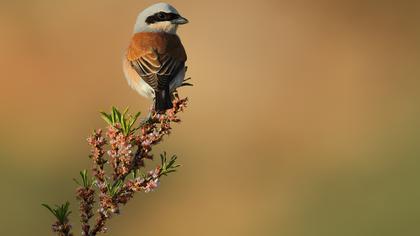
(304, 119)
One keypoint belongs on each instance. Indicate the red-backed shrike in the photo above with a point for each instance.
(154, 64)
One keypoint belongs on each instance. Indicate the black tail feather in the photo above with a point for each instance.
(163, 100)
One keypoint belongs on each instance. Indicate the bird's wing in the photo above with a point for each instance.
(157, 58)
(157, 70)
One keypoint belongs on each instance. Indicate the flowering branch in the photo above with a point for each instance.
(128, 148)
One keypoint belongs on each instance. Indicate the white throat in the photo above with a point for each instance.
(158, 27)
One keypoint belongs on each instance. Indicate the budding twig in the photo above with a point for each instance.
(124, 162)
(128, 148)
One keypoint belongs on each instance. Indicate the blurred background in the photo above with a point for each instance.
(304, 119)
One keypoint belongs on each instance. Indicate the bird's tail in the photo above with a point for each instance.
(163, 100)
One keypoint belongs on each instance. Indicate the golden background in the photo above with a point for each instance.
(304, 118)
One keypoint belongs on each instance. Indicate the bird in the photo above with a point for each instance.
(154, 62)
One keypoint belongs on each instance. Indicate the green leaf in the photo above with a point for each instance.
(86, 183)
(84, 176)
(49, 208)
(114, 188)
(107, 118)
(168, 166)
(142, 175)
(125, 111)
(113, 115)
(117, 115)
(125, 120)
(123, 125)
(134, 174)
(60, 212)
(134, 119)
(163, 158)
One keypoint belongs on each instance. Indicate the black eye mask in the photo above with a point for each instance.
(161, 16)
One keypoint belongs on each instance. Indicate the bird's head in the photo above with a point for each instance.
(160, 17)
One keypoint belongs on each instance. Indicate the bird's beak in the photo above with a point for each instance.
(180, 21)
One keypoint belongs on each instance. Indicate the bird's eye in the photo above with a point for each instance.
(161, 15)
